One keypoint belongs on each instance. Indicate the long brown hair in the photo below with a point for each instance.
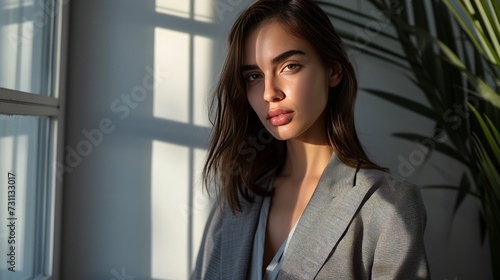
(241, 153)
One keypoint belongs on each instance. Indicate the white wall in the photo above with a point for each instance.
(132, 198)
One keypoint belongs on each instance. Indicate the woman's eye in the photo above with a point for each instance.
(252, 77)
(291, 67)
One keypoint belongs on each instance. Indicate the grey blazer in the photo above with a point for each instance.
(359, 224)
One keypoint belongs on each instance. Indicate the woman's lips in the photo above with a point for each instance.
(280, 117)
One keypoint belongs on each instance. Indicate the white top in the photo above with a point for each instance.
(272, 270)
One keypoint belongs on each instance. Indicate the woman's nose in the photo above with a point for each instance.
(272, 92)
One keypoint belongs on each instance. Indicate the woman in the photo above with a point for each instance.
(307, 202)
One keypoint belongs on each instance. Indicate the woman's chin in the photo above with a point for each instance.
(281, 133)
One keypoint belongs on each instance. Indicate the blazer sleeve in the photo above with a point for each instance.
(208, 259)
(400, 252)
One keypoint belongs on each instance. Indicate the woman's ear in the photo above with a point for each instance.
(335, 75)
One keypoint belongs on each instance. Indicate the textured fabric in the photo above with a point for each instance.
(255, 270)
(364, 224)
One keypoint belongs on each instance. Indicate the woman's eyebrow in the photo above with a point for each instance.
(286, 55)
(275, 60)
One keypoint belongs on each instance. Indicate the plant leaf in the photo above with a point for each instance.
(449, 187)
(404, 102)
(440, 147)
(494, 145)
(463, 190)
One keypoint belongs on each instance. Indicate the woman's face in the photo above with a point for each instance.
(287, 84)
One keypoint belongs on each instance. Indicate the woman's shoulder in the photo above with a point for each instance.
(385, 182)
(390, 194)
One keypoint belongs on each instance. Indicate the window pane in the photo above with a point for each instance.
(24, 203)
(24, 50)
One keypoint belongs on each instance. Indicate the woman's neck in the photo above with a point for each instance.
(305, 160)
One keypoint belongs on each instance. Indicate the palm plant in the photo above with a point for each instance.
(460, 78)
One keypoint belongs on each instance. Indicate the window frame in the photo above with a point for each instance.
(18, 103)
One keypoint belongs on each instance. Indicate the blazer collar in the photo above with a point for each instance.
(323, 222)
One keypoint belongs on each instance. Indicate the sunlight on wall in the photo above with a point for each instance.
(171, 98)
(203, 68)
(174, 8)
(180, 207)
(170, 206)
(169, 188)
(172, 54)
(202, 9)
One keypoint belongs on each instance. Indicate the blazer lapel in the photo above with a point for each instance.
(237, 240)
(323, 222)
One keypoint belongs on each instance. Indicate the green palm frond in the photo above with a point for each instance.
(449, 71)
